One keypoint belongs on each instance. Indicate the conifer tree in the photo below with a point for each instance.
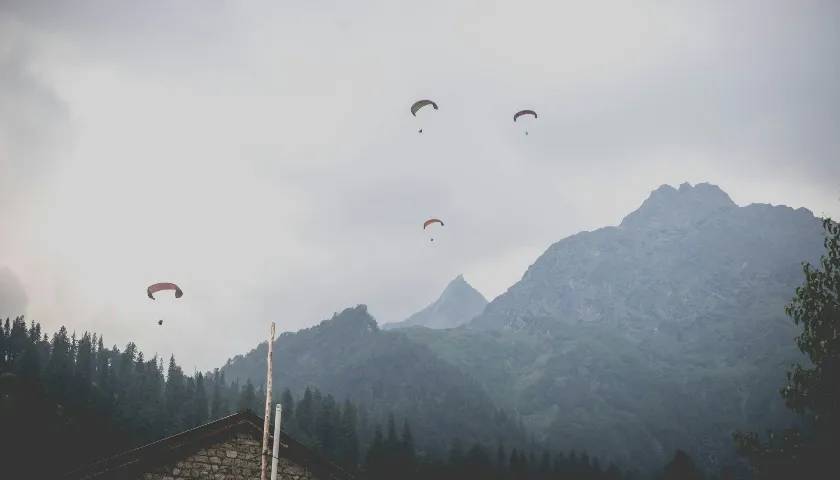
(200, 401)
(374, 461)
(288, 412)
(175, 396)
(218, 408)
(305, 413)
(3, 347)
(349, 435)
(248, 397)
(407, 445)
(16, 340)
(60, 366)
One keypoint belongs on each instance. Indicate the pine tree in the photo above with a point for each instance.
(104, 382)
(305, 414)
(407, 455)
(374, 464)
(17, 339)
(60, 366)
(3, 347)
(218, 407)
(248, 397)
(391, 442)
(349, 435)
(29, 364)
(200, 401)
(326, 426)
(258, 406)
(175, 397)
(83, 375)
(288, 403)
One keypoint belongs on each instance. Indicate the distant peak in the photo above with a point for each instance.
(353, 317)
(678, 206)
(458, 304)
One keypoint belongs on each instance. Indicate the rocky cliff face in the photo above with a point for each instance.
(458, 304)
(665, 331)
(684, 254)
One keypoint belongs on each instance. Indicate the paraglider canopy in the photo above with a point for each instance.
(524, 112)
(431, 221)
(164, 286)
(420, 104)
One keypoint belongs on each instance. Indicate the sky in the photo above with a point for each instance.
(262, 154)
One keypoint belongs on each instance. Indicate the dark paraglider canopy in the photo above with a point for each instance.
(164, 286)
(420, 104)
(524, 112)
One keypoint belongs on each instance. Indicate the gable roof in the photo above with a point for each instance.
(179, 446)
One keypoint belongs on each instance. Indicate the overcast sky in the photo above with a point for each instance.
(262, 155)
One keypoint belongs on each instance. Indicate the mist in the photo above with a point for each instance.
(264, 158)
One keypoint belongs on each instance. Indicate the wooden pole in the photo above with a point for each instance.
(267, 420)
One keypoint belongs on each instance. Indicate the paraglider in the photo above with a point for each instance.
(158, 287)
(432, 221)
(524, 112)
(164, 286)
(420, 104)
(416, 106)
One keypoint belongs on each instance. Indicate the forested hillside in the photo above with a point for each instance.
(67, 401)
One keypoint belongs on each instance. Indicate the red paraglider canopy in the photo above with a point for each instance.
(164, 286)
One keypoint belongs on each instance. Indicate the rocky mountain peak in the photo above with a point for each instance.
(353, 319)
(458, 304)
(678, 207)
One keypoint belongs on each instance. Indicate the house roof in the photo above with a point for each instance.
(176, 447)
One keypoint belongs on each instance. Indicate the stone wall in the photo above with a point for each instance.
(235, 459)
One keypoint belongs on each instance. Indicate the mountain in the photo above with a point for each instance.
(349, 356)
(457, 305)
(667, 331)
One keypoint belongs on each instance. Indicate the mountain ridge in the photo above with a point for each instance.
(666, 331)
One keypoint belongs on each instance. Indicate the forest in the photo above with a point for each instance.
(94, 401)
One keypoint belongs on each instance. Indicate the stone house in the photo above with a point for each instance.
(225, 449)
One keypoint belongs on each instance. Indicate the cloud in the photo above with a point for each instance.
(262, 155)
(12, 295)
(32, 117)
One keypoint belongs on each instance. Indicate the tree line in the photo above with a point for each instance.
(142, 400)
(386, 450)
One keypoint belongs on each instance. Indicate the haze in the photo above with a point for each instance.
(262, 155)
